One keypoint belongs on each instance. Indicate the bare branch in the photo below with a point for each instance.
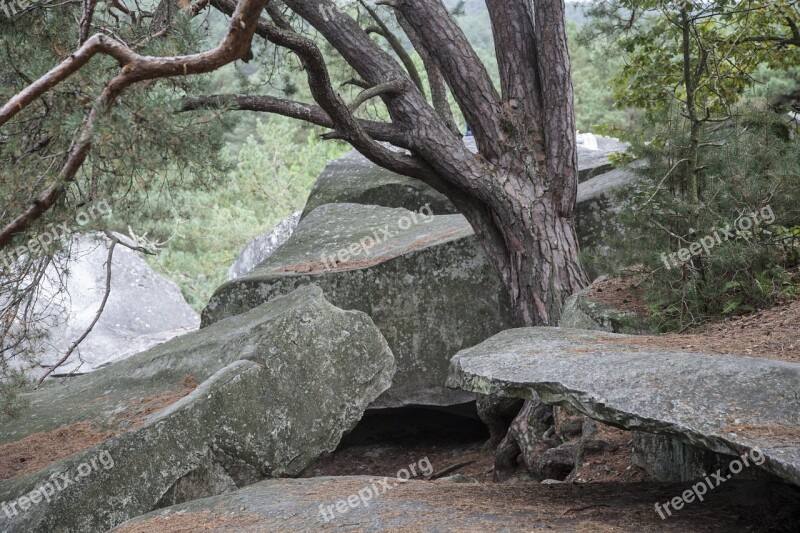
(380, 131)
(390, 87)
(396, 45)
(79, 340)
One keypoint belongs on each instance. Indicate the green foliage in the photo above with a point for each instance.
(752, 170)
(699, 57)
(592, 74)
(266, 181)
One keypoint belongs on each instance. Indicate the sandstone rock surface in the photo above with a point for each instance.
(423, 279)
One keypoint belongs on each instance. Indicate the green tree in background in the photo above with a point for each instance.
(268, 179)
(709, 156)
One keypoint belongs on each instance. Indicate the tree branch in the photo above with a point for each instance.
(557, 102)
(390, 87)
(465, 73)
(379, 131)
(86, 20)
(436, 81)
(134, 68)
(97, 316)
(396, 45)
(357, 82)
(281, 34)
(518, 61)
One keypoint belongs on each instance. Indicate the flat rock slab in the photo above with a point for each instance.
(259, 395)
(424, 279)
(289, 506)
(727, 404)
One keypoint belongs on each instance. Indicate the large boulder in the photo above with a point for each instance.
(143, 309)
(423, 279)
(727, 404)
(260, 248)
(365, 504)
(356, 180)
(581, 311)
(258, 395)
(598, 207)
(592, 163)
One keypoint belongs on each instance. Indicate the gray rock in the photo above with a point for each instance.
(583, 312)
(278, 386)
(428, 287)
(355, 179)
(598, 209)
(260, 248)
(143, 309)
(592, 163)
(724, 403)
(295, 505)
(667, 458)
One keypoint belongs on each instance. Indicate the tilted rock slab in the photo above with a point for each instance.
(428, 286)
(293, 506)
(278, 386)
(355, 179)
(727, 404)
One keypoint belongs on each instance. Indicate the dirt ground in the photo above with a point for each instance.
(289, 505)
(771, 333)
(384, 445)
